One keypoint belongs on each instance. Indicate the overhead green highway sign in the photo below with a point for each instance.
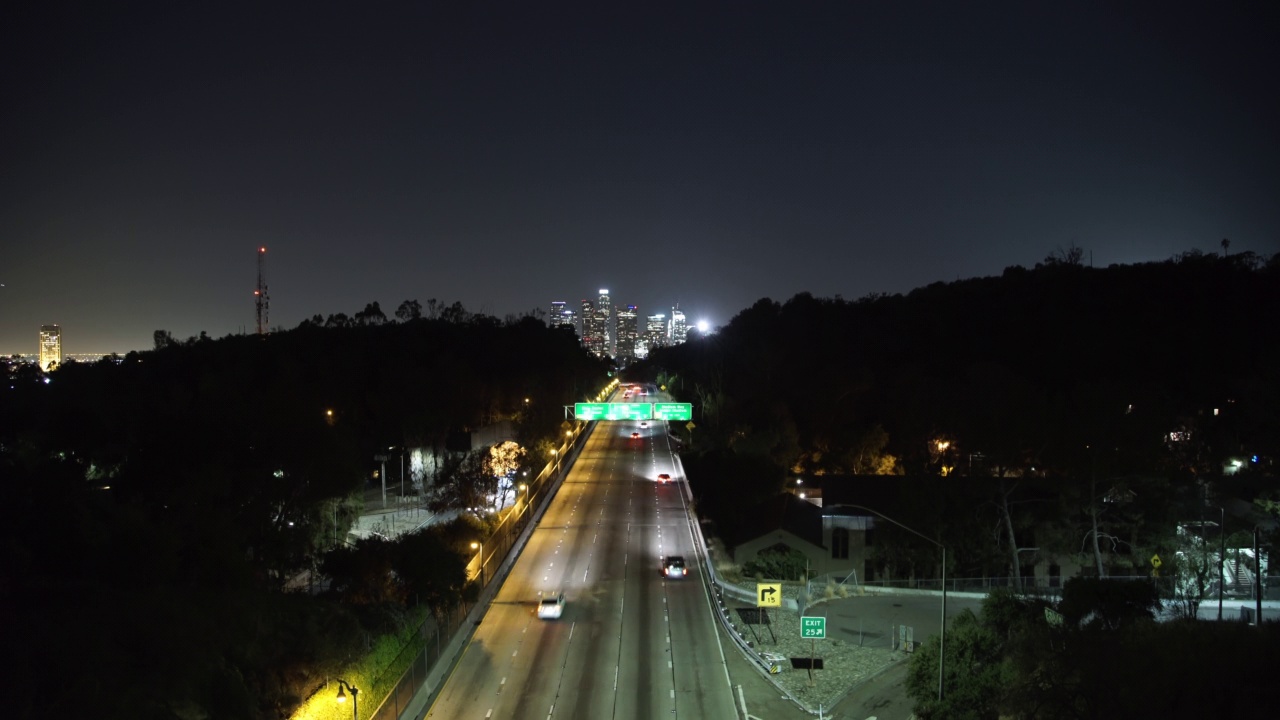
(672, 411)
(589, 411)
(612, 411)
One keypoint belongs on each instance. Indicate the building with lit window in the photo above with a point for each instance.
(655, 333)
(562, 317)
(592, 333)
(679, 326)
(597, 325)
(628, 334)
(50, 346)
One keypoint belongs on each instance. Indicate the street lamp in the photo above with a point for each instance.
(1222, 555)
(401, 501)
(355, 697)
(942, 635)
(480, 556)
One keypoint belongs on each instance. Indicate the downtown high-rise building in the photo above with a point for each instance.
(628, 334)
(679, 326)
(561, 316)
(597, 325)
(50, 346)
(655, 333)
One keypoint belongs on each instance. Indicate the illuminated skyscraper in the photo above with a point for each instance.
(592, 334)
(655, 332)
(562, 317)
(50, 346)
(628, 334)
(597, 325)
(679, 327)
(604, 308)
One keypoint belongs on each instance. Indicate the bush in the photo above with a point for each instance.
(777, 564)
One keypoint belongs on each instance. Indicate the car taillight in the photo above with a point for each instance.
(684, 571)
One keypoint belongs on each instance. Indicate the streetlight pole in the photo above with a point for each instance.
(1258, 578)
(383, 474)
(1222, 555)
(355, 697)
(942, 634)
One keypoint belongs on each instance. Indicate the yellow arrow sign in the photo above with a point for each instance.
(1155, 561)
(768, 594)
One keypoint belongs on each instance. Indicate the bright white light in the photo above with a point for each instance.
(703, 326)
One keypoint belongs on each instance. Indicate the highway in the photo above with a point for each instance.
(630, 643)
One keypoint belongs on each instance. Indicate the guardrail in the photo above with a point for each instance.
(719, 585)
(507, 538)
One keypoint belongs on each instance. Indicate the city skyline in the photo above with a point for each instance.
(40, 346)
(498, 156)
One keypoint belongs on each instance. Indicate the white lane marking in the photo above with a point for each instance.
(615, 678)
(489, 714)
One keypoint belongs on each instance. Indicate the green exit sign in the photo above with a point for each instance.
(589, 411)
(672, 411)
(813, 628)
(612, 411)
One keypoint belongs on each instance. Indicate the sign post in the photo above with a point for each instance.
(814, 628)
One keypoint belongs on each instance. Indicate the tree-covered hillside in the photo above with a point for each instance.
(160, 501)
(1068, 382)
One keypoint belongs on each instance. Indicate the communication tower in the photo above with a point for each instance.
(260, 300)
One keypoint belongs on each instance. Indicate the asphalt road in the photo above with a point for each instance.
(630, 644)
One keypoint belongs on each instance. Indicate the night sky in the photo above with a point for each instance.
(509, 154)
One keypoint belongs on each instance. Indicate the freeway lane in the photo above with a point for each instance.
(630, 644)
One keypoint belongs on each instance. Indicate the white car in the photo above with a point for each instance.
(673, 566)
(551, 606)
